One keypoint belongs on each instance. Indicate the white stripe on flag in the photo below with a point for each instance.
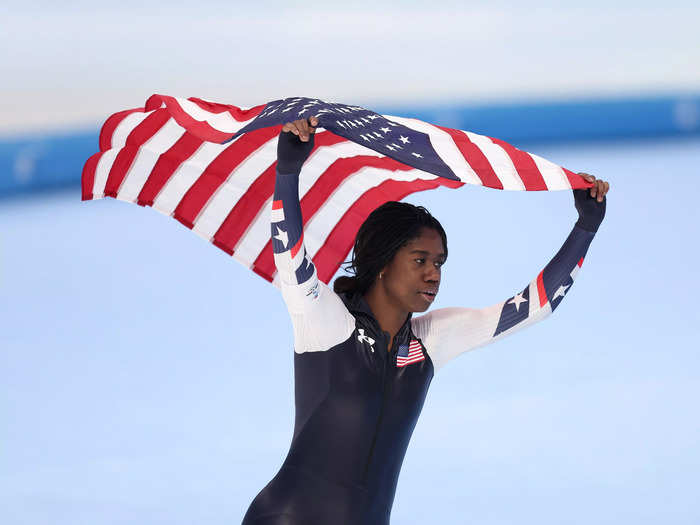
(254, 239)
(119, 137)
(102, 172)
(322, 159)
(146, 159)
(444, 146)
(237, 183)
(252, 243)
(352, 188)
(553, 175)
(500, 161)
(184, 176)
(223, 122)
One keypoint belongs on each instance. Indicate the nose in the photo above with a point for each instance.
(433, 274)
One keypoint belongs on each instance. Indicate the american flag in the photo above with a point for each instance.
(409, 353)
(212, 166)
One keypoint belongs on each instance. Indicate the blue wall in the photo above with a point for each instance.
(40, 162)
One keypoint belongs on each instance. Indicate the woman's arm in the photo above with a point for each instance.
(320, 318)
(448, 332)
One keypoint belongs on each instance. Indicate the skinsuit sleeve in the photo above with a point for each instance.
(319, 317)
(448, 332)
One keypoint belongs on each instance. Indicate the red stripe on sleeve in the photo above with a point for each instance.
(297, 246)
(541, 291)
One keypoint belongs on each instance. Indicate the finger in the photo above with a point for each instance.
(313, 122)
(303, 129)
(601, 190)
(587, 177)
(287, 127)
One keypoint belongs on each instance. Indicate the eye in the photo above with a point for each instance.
(438, 264)
(420, 260)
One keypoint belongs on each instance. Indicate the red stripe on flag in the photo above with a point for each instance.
(110, 126)
(338, 243)
(245, 211)
(525, 165)
(201, 128)
(577, 182)
(277, 205)
(168, 162)
(475, 158)
(88, 177)
(218, 172)
(249, 205)
(580, 262)
(541, 291)
(323, 188)
(125, 158)
(241, 115)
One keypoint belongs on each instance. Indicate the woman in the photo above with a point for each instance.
(362, 362)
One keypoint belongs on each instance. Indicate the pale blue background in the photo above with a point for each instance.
(146, 377)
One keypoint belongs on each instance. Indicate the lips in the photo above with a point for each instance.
(428, 294)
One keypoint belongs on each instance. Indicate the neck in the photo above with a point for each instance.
(388, 315)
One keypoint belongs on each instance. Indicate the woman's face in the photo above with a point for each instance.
(412, 278)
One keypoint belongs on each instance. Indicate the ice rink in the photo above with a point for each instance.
(147, 376)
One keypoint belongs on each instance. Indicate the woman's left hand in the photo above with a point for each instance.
(600, 187)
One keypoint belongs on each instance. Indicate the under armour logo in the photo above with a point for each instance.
(365, 338)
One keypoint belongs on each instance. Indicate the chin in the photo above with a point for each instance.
(420, 308)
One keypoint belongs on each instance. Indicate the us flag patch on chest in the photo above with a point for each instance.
(408, 354)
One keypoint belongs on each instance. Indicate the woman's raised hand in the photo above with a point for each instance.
(600, 187)
(302, 128)
(590, 203)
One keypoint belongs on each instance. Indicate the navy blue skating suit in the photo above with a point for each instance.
(357, 403)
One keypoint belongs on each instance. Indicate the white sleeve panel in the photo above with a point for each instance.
(449, 332)
(319, 317)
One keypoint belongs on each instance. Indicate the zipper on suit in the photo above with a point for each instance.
(387, 365)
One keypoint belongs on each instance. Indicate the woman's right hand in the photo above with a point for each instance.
(302, 128)
(293, 151)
